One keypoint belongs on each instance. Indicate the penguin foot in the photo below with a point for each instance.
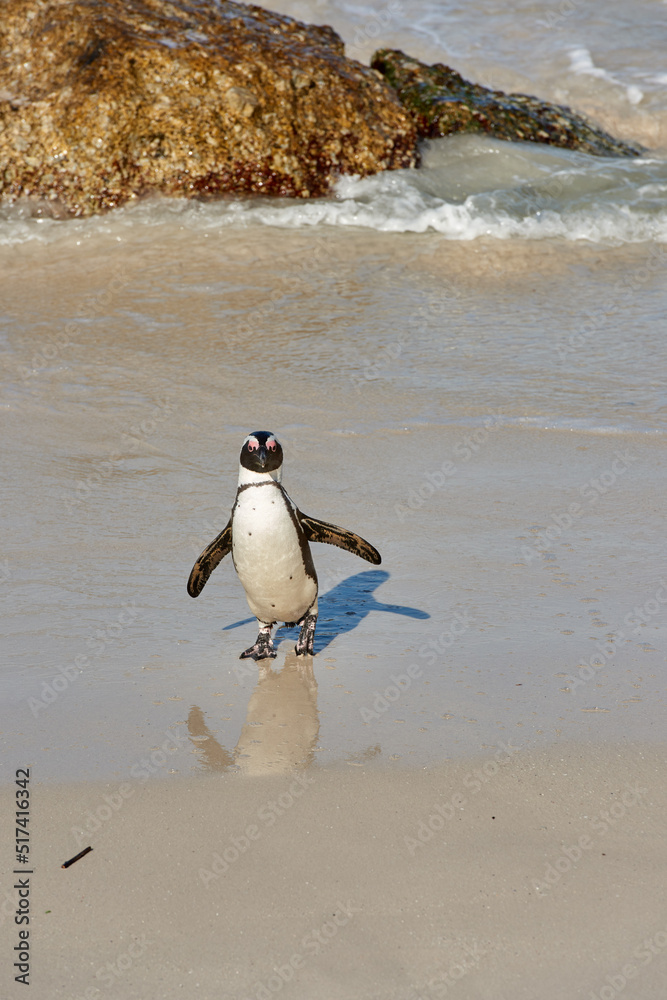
(306, 642)
(260, 651)
(263, 647)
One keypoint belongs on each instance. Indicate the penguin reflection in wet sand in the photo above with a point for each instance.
(268, 538)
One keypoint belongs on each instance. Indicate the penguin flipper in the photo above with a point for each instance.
(320, 531)
(214, 553)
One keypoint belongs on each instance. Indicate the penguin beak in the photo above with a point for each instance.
(262, 456)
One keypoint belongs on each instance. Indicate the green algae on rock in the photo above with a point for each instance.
(442, 103)
(105, 100)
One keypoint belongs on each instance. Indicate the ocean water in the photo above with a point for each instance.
(465, 363)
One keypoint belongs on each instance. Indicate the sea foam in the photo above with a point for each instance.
(468, 187)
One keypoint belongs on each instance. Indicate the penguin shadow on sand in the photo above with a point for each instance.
(281, 728)
(282, 721)
(343, 607)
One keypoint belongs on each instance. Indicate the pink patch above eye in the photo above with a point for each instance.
(271, 444)
(253, 444)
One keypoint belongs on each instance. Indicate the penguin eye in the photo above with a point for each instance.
(253, 444)
(271, 444)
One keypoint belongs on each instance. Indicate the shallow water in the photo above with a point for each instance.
(451, 358)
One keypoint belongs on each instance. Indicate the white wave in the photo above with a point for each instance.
(581, 63)
(463, 193)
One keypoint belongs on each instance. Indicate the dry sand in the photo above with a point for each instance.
(513, 875)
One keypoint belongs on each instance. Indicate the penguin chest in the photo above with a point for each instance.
(271, 556)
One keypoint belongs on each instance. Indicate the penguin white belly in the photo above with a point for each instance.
(268, 556)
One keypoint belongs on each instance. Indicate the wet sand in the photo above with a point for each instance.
(530, 614)
(514, 494)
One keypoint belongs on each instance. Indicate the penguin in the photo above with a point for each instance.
(268, 537)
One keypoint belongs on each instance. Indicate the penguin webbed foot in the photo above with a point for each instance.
(263, 648)
(260, 651)
(306, 642)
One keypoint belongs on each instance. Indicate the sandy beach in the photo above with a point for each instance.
(510, 875)
(462, 793)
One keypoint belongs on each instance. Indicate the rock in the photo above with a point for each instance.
(105, 100)
(442, 103)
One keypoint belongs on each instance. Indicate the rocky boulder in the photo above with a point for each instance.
(441, 103)
(105, 100)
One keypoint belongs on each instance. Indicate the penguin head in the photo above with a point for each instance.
(261, 453)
